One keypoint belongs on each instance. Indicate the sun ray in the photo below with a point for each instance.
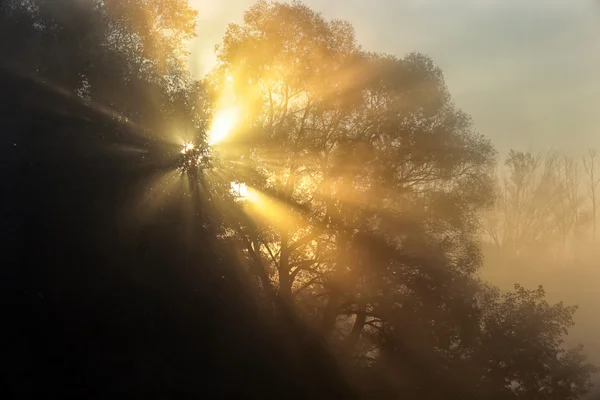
(223, 124)
(263, 208)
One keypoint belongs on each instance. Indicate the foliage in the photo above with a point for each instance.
(369, 184)
(521, 341)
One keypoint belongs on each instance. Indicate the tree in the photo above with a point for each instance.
(292, 100)
(125, 57)
(520, 345)
(346, 142)
(589, 164)
(509, 346)
(366, 183)
(538, 203)
(569, 207)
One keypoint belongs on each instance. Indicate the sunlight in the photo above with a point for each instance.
(252, 195)
(242, 190)
(187, 146)
(222, 125)
(243, 193)
(265, 209)
(239, 190)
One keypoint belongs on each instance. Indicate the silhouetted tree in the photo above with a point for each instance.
(590, 166)
(520, 348)
(101, 294)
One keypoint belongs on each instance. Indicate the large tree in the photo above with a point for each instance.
(348, 142)
(366, 183)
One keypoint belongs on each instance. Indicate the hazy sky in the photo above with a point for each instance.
(527, 71)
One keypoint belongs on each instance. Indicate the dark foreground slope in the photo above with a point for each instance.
(97, 304)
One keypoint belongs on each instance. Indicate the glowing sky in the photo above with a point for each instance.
(527, 71)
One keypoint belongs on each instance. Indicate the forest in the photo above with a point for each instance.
(309, 220)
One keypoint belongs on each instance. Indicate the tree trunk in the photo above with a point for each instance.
(285, 284)
(594, 210)
(330, 314)
(359, 324)
(259, 269)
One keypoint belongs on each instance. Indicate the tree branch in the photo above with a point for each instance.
(310, 237)
(271, 255)
(307, 284)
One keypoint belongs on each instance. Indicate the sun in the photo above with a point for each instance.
(243, 190)
(244, 193)
(187, 147)
(239, 190)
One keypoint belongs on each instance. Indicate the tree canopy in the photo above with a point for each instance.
(367, 187)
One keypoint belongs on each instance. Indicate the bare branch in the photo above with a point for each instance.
(316, 232)
(271, 254)
(307, 284)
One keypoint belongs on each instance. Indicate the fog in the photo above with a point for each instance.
(543, 231)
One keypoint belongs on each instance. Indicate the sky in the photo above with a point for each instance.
(527, 71)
